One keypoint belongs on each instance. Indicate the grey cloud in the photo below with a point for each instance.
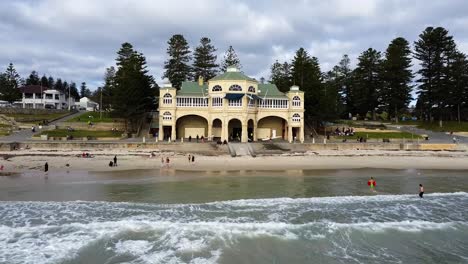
(78, 39)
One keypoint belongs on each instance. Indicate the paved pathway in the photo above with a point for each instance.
(434, 137)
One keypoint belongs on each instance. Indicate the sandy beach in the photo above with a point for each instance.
(33, 160)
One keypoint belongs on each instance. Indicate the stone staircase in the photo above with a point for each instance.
(241, 149)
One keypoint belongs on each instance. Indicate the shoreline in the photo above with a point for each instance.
(22, 161)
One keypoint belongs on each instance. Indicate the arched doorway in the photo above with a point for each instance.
(271, 127)
(191, 126)
(217, 129)
(235, 130)
(250, 130)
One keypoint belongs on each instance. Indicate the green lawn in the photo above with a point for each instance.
(95, 118)
(81, 133)
(447, 126)
(36, 117)
(377, 135)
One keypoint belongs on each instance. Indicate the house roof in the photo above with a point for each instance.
(192, 89)
(232, 76)
(32, 89)
(269, 90)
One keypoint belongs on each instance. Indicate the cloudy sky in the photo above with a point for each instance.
(78, 39)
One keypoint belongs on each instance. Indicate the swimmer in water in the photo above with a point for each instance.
(372, 183)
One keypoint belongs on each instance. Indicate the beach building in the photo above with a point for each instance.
(87, 104)
(231, 107)
(39, 97)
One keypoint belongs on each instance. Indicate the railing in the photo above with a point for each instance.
(274, 103)
(192, 102)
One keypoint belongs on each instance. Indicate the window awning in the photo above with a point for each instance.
(234, 96)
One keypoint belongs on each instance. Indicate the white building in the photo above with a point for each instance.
(36, 96)
(88, 104)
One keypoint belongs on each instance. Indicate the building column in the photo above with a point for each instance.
(245, 134)
(161, 130)
(210, 131)
(255, 132)
(224, 130)
(290, 134)
(173, 133)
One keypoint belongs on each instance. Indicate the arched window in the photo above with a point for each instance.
(296, 101)
(167, 116)
(216, 88)
(296, 118)
(235, 87)
(252, 89)
(167, 99)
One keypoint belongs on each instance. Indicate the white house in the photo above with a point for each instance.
(88, 104)
(36, 96)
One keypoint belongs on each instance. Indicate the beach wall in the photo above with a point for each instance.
(209, 149)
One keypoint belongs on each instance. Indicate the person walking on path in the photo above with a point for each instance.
(189, 158)
(372, 183)
(46, 167)
(115, 161)
(193, 159)
(421, 191)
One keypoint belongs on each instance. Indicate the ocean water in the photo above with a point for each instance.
(323, 226)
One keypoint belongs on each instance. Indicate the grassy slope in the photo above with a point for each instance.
(80, 133)
(106, 118)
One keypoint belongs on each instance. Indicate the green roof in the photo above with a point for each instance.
(270, 90)
(232, 76)
(192, 89)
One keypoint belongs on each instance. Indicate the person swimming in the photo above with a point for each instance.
(372, 183)
(421, 191)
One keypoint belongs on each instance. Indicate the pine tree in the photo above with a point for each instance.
(108, 88)
(458, 94)
(44, 81)
(9, 85)
(177, 66)
(58, 85)
(51, 82)
(305, 72)
(434, 50)
(367, 82)
(204, 64)
(230, 59)
(281, 75)
(397, 77)
(134, 91)
(33, 79)
(84, 91)
(74, 91)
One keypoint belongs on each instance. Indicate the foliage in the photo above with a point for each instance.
(230, 59)
(9, 82)
(177, 68)
(281, 75)
(204, 64)
(134, 91)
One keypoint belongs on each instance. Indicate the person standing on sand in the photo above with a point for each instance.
(193, 159)
(115, 161)
(421, 191)
(189, 158)
(46, 167)
(372, 183)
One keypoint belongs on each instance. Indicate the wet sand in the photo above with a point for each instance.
(33, 161)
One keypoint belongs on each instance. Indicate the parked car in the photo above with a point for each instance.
(49, 107)
(82, 108)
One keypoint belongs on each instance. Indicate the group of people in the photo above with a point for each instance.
(372, 183)
(191, 158)
(198, 138)
(349, 131)
(114, 162)
(165, 162)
